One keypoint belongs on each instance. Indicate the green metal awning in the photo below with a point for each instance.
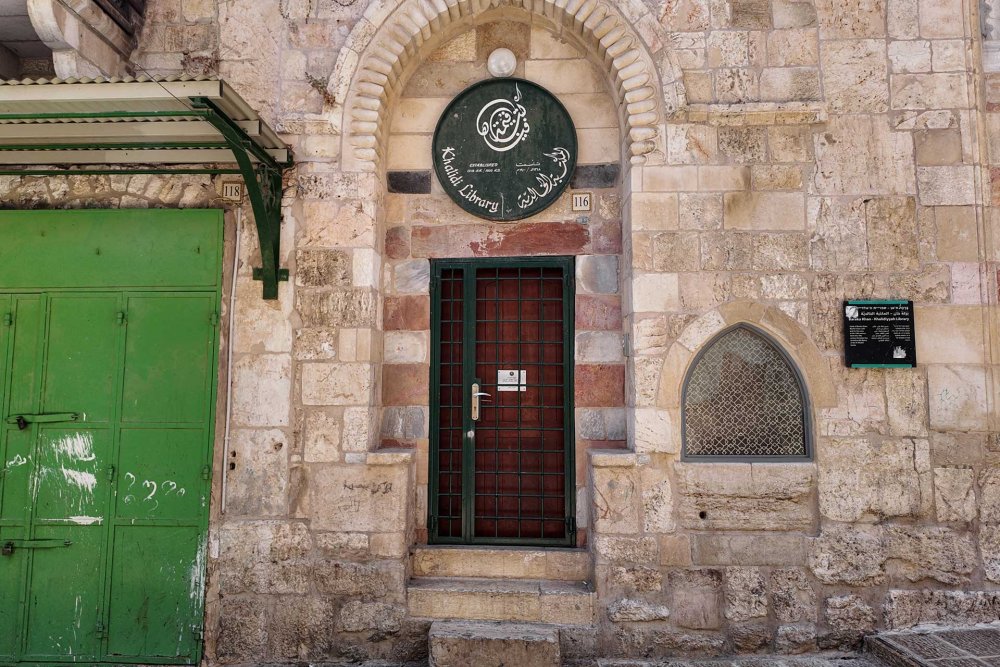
(177, 125)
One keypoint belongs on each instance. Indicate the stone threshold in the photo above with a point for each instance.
(559, 564)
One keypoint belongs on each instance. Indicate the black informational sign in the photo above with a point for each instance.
(879, 334)
(504, 149)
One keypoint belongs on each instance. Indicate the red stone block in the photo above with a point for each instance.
(407, 313)
(991, 92)
(600, 385)
(603, 444)
(995, 185)
(442, 241)
(598, 312)
(397, 243)
(606, 237)
(500, 240)
(535, 238)
(405, 384)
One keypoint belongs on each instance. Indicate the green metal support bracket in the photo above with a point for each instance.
(264, 185)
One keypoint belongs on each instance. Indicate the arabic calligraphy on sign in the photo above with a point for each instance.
(505, 149)
(503, 123)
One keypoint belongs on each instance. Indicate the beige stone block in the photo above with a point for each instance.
(765, 549)
(598, 145)
(262, 390)
(860, 155)
(966, 283)
(699, 211)
(946, 186)
(654, 431)
(262, 326)
(417, 115)
(657, 501)
(902, 19)
(957, 397)
(654, 211)
(948, 55)
(929, 91)
(336, 383)
(675, 251)
(675, 366)
(793, 14)
(954, 496)
(321, 437)
(691, 144)
(546, 46)
(332, 224)
(617, 496)
(789, 84)
(938, 147)
(358, 498)
(851, 19)
(790, 144)
(669, 179)
(258, 485)
(405, 347)
(359, 429)
(910, 56)
(776, 177)
(837, 229)
(675, 550)
(460, 49)
(791, 48)
(864, 481)
(891, 233)
(855, 77)
(456, 644)
(723, 178)
(734, 496)
(949, 334)
(728, 48)
(736, 85)
(906, 402)
(699, 87)
(655, 292)
(941, 18)
(764, 210)
(699, 332)
(409, 151)
(591, 110)
(501, 564)
(957, 233)
(565, 76)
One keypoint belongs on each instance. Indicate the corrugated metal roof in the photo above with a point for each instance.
(60, 121)
(103, 79)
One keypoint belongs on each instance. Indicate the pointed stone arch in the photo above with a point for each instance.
(375, 63)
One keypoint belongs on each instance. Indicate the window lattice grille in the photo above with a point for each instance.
(743, 399)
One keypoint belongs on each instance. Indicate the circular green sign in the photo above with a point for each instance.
(505, 149)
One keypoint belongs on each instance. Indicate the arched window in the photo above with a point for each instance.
(744, 399)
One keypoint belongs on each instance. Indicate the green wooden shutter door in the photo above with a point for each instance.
(107, 513)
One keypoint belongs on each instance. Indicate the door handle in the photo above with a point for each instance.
(22, 421)
(476, 397)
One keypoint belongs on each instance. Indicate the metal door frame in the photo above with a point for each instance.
(469, 268)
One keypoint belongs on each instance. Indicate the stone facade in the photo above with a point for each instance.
(751, 161)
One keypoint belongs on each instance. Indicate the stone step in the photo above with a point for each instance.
(481, 599)
(502, 563)
(486, 644)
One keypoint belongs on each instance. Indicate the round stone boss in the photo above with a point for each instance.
(504, 149)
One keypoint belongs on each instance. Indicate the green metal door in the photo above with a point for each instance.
(108, 364)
